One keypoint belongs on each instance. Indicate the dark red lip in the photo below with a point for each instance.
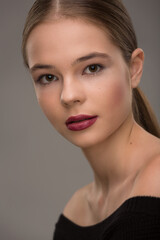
(78, 118)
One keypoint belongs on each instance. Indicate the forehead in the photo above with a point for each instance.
(67, 38)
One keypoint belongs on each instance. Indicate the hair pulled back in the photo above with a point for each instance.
(112, 16)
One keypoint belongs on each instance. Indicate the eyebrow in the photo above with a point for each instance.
(81, 59)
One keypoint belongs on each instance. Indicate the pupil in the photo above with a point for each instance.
(93, 68)
(49, 77)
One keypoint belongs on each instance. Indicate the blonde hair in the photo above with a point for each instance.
(112, 16)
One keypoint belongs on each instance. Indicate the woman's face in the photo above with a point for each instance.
(77, 70)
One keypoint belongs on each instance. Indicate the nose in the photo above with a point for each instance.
(72, 92)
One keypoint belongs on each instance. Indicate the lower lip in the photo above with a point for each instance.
(78, 126)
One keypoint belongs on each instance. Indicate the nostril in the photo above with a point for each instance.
(69, 102)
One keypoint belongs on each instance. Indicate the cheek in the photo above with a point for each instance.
(113, 96)
(120, 91)
(49, 106)
(118, 95)
(118, 103)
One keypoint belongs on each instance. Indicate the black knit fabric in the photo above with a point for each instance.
(138, 218)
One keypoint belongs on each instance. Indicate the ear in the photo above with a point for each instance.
(136, 67)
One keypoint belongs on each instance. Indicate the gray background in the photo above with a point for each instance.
(39, 170)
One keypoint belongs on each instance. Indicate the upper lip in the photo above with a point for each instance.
(79, 117)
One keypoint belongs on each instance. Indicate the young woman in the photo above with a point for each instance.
(86, 67)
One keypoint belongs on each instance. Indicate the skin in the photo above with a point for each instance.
(120, 152)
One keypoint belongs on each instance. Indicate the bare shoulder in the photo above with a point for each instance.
(148, 179)
(76, 207)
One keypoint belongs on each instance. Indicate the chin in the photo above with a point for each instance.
(88, 139)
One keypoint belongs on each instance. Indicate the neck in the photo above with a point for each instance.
(111, 159)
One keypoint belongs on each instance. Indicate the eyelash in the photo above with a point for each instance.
(101, 67)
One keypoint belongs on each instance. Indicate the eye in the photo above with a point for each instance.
(46, 79)
(94, 68)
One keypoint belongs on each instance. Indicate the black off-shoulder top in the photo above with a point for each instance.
(137, 218)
